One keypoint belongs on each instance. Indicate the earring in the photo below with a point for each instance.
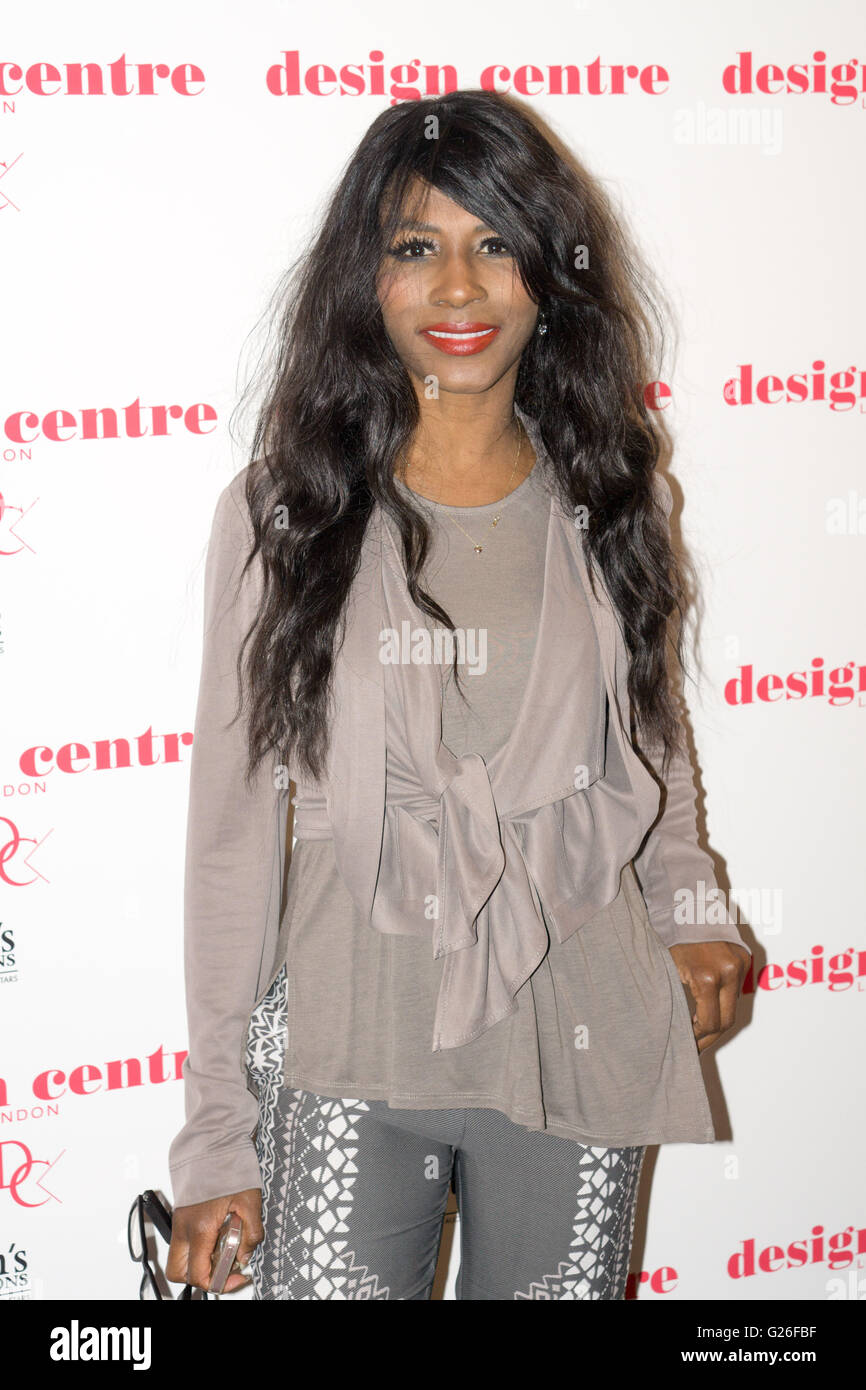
(542, 323)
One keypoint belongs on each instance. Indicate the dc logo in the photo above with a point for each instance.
(23, 1176)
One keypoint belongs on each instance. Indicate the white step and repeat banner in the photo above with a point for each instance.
(160, 165)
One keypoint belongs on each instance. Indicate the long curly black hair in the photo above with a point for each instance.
(338, 406)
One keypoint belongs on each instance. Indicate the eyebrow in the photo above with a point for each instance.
(428, 227)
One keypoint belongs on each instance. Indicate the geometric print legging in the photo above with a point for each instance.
(354, 1194)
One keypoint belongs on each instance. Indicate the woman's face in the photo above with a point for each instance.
(452, 300)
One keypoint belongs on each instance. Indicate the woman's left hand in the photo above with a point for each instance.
(714, 972)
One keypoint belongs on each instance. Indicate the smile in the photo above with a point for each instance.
(460, 340)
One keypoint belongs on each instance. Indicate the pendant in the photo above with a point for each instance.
(495, 521)
(478, 549)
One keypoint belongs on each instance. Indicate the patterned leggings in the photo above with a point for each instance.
(354, 1194)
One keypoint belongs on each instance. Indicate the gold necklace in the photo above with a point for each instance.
(476, 544)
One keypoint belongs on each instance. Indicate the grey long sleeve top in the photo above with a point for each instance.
(597, 1043)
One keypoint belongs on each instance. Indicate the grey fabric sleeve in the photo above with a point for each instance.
(671, 865)
(235, 851)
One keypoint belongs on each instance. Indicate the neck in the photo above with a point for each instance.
(465, 448)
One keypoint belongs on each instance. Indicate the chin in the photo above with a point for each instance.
(462, 378)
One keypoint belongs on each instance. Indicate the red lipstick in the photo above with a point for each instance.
(460, 339)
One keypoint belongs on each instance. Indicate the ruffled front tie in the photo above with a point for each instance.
(452, 869)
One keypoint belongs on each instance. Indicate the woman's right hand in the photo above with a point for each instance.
(194, 1233)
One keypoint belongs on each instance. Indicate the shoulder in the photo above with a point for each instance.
(232, 537)
(231, 513)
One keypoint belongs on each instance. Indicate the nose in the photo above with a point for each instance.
(455, 282)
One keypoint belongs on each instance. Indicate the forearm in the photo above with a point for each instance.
(233, 887)
(677, 877)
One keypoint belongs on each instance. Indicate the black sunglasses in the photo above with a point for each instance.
(149, 1207)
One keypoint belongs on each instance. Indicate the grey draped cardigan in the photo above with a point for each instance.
(482, 841)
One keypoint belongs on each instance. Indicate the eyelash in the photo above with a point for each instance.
(399, 251)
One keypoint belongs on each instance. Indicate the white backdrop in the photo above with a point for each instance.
(140, 238)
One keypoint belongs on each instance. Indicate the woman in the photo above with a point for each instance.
(445, 586)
